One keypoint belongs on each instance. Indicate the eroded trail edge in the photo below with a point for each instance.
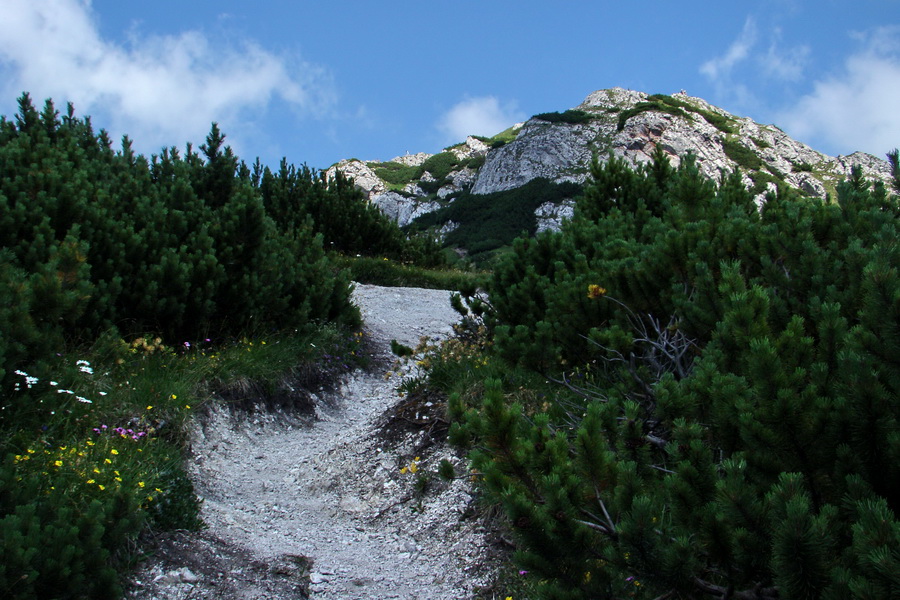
(324, 509)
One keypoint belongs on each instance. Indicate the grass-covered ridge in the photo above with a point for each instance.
(501, 139)
(439, 166)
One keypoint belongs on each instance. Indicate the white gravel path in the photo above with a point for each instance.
(333, 491)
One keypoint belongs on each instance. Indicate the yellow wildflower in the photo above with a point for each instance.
(595, 291)
(113, 451)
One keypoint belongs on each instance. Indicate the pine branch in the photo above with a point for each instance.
(601, 528)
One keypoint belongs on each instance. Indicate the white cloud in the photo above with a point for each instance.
(720, 67)
(741, 73)
(855, 108)
(784, 63)
(478, 116)
(160, 90)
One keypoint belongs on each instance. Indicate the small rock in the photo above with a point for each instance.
(317, 578)
(188, 577)
(182, 575)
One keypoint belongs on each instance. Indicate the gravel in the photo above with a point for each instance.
(323, 510)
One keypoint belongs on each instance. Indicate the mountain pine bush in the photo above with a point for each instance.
(729, 425)
(93, 238)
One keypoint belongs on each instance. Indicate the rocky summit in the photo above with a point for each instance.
(614, 122)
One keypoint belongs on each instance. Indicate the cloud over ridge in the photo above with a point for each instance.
(483, 115)
(852, 108)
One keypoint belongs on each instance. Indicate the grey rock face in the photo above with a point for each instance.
(403, 209)
(363, 176)
(550, 216)
(471, 148)
(412, 160)
(553, 150)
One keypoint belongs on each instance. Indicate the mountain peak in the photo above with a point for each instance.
(559, 147)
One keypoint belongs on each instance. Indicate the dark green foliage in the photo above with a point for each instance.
(51, 549)
(440, 165)
(400, 350)
(803, 167)
(570, 117)
(396, 173)
(299, 199)
(742, 155)
(894, 160)
(93, 238)
(761, 179)
(490, 221)
(729, 424)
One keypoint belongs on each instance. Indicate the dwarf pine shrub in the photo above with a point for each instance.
(94, 238)
(726, 423)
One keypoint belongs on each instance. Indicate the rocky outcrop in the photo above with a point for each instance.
(361, 174)
(412, 160)
(550, 216)
(471, 148)
(403, 209)
(552, 150)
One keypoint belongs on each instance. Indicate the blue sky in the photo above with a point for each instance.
(321, 81)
